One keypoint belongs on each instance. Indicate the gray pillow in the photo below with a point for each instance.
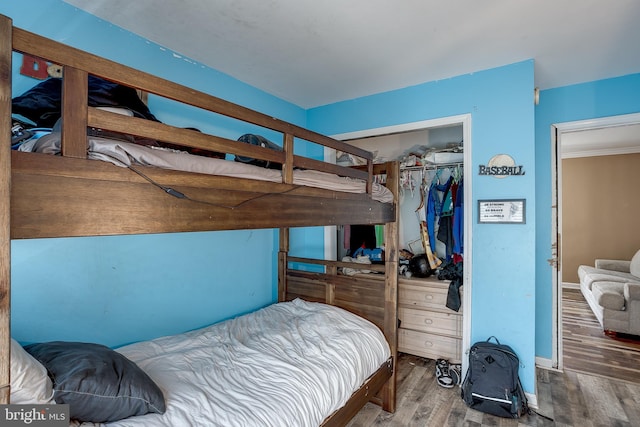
(99, 384)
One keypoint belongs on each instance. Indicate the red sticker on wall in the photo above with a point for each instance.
(34, 67)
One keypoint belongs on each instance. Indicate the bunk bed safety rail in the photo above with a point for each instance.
(77, 65)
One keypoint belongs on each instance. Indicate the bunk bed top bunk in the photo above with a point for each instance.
(72, 194)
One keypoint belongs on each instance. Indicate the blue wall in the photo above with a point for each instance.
(500, 102)
(96, 288)
(591, 100)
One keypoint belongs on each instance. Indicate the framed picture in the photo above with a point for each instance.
(501, 211)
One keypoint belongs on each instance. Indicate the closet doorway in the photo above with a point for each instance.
(608, 136)
(391, 143)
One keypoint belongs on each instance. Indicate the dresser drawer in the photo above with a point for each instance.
(442, 323)
(423, 296)
(430, 346)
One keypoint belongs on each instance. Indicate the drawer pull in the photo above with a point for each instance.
(428, 322)
(428, 296)
(428, 344)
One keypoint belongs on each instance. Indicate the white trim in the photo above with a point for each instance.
(465, 120)
(557, 130)
(556, 250)
(601, 152)
(331, 243)
(603, 122)
(544, 363)
(532, 400)
(406, 127)
(468, 223)
(569, 285)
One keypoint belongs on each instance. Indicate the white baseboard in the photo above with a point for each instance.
(544, 363)
(532, 400)
(568, 285)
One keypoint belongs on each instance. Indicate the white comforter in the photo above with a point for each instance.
(289, 364)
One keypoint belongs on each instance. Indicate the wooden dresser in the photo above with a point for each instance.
(427, 327)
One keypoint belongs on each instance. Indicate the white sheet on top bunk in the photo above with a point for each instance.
(289, 364)
(126, 154)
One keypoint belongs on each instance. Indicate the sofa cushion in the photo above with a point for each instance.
(589, 275)
(609, 294)
(635, 265)
(631, 292)
(621, 265)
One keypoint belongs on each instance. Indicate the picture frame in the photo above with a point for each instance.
(502, 211)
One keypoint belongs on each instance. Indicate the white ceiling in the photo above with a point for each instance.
(316, 52)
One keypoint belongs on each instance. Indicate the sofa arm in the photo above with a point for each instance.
(614, 264)
(631, 292)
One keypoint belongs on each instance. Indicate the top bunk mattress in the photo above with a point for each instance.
(128, 154)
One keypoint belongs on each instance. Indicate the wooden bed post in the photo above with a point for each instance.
(282, 264)
(388, 392)
(6, 42)
(287, 168)
(75, 96)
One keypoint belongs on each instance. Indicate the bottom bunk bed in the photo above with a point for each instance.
(313, 359)
(289, 364)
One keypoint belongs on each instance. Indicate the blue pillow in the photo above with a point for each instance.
(99, 384)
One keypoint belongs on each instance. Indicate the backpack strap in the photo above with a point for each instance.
(493, 336)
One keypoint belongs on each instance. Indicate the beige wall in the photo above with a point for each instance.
(600, 210)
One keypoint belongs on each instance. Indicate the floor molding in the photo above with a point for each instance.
(544, 363)
(569, 285)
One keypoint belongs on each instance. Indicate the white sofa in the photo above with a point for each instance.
(612, 289)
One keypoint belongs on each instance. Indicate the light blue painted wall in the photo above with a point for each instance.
(591, 100)
(500, 101)
(116, 290)
(55, 278)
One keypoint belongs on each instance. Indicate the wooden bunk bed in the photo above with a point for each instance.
(69, 190)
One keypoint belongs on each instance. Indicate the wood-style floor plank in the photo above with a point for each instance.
(587, 349)
(600, 385)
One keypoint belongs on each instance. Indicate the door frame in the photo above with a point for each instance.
(464, 120)
(557, 131)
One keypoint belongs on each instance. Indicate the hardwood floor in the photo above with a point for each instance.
(594, 390)
(587, 349)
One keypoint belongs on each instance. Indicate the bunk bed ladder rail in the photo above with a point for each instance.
(5, 214)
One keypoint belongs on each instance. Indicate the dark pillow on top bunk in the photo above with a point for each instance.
(42, 104)
(98, 383)
(260, 141)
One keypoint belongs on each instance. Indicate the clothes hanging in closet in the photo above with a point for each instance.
(445, 231)
(434, 207)
(444, 214)
(458, 221)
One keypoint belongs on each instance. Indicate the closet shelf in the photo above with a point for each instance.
(432, 166)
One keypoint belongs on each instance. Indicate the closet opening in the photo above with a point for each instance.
(434, 289)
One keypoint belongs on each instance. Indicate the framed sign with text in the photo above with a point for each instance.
(501, 211)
